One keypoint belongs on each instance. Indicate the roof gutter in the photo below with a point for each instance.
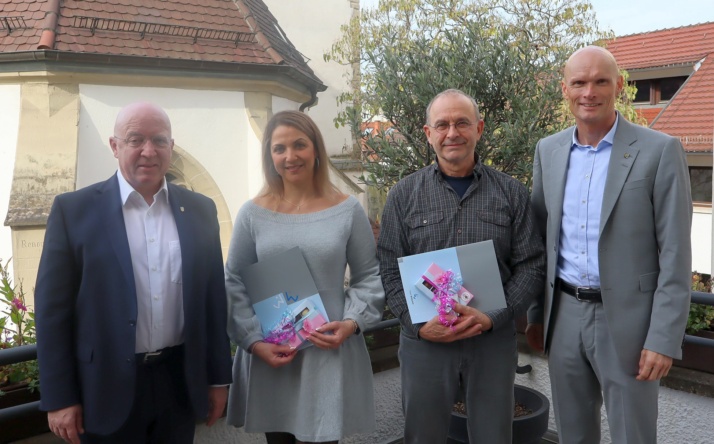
(83, 61)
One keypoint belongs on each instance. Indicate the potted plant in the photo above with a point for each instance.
(19, 383)
(700, 322)
(530, 418)
(701, 317)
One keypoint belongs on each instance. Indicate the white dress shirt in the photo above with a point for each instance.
(156, 260)
(580, 227)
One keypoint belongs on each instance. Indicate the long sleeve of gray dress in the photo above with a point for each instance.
(322, 395)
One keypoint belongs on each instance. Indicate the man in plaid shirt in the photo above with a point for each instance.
(458, 201)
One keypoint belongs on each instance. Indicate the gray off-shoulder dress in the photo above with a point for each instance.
(322, 395)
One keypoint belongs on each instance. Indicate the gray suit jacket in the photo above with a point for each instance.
(644, 246)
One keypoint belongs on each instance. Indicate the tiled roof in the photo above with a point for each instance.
(689, 115)
(221, 31)
(687, 44)
(649, 113)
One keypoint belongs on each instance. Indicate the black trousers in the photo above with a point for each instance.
(161, 413)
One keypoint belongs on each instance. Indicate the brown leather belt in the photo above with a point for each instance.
(583, 294)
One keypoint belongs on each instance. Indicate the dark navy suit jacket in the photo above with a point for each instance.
(86, 308)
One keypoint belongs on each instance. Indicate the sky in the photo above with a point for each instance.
(635, 16)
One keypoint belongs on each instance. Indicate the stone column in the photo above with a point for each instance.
(45, 165)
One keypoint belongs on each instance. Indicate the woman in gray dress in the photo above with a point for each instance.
(321, 393)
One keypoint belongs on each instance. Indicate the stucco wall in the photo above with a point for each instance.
(314, 38)
(702, 239)
(9, 124)
(212, 126)
(217, 135)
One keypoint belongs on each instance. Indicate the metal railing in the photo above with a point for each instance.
(699, 297)
(29, 352)
(16, 355)
(383, 325)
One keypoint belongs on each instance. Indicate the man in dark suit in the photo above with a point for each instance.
(130, 300)
(612, 199)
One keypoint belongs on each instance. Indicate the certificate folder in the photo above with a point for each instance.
(283, 283)
(477, 265)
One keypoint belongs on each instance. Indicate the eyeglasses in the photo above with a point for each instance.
(443, 127)
(159, 142)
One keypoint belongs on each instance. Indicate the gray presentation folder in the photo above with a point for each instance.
(479, 271)
(286, 271)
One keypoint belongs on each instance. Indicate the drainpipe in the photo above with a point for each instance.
(313, 100)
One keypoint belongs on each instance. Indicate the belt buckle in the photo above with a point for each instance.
(149, 355)
(577, 294)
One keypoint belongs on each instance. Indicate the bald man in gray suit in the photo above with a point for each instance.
(613, 202)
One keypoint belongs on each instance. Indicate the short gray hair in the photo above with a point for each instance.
(452, 92)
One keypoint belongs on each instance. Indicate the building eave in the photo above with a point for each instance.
(50, 60)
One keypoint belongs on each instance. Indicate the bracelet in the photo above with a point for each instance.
(251, 347)
(356, 329)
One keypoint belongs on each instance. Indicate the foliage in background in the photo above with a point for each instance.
(17, 327)
(701, 317)
(508, 54)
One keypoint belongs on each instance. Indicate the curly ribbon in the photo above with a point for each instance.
(446, 288)
(283, 331)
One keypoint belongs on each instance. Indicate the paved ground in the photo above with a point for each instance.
(390, 422)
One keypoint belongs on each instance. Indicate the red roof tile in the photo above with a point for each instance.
(690, 113)
(226, 31)
(687, 44)
(649, 113)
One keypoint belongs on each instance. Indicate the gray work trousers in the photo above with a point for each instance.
(482, 367)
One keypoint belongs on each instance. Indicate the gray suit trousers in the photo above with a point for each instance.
(585, 369)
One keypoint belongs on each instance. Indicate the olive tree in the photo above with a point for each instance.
(507, 54)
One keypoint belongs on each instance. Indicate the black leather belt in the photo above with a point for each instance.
(584, 294)
(159, 356)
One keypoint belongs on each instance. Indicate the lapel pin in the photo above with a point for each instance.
(181, 208)
(627, 155)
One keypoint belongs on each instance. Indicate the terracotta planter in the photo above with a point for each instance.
(698, 357)
(31, 424)
(527, 429)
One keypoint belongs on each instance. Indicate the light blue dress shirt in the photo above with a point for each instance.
(582, 205)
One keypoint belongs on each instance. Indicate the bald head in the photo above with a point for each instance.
(591, 85)
(592, 54)
(143, 145)
(140, 111)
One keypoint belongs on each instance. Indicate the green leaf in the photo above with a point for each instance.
(505, 53)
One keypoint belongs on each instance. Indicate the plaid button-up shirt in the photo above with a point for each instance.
(423, 213)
